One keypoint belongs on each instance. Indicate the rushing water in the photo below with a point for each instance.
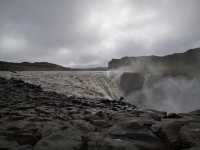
(82, 84)
(168, 94)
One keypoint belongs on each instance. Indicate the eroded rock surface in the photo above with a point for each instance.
(33, 119)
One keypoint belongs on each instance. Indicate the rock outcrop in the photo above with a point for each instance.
(31, 118)
(186, 63)
(170, 81)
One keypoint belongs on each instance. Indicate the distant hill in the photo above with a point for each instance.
(178, 63)
(27, 66)
(90, 69)
(41, 66)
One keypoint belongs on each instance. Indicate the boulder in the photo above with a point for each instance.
(173, 116)
(28, 138)
(74, 139)
(83, 125)
(139, 133)
(63, 139)
(193, 148)
(190, 134)
(170, 131)
(6, 144)
(23, 147)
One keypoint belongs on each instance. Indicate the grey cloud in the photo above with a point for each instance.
(94, 31)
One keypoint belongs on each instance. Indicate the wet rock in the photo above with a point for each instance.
(137, 133)
(28, 138)
(173, 116)
(169, 131)
(6, 144)
(130, 82)
(73, 139)
(161, 114)
(101, 123)
(16, 117)
(104, 142)
(24, 147)
(69, 139)
(190, 134)
(83, 125)
(153, 114)
(193, 148)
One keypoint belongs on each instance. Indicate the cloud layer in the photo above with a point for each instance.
(81, 33)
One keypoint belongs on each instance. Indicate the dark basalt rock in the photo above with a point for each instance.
(31, 118)
(73, 139)
(173, 115)
(190, 134)
(138, 132)
(169, 131)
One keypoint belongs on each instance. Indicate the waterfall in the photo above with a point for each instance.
(91, 84)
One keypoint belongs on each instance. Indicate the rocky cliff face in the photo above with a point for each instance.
(181, 63)
(169, 83)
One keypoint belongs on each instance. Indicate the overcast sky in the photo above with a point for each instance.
(80, 33)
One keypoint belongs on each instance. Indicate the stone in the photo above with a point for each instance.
(173, 116)
(101, 123)
(30, 138)
(169, 131)
(6, 144)
(190, 134)
(24, 147)
(137, 133)
(192, 148)
(83, 125)
(69, 139)
(73, 139)
(101, 142)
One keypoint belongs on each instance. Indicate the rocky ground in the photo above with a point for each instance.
(33, 119)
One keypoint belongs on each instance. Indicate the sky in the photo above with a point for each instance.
(89, 33)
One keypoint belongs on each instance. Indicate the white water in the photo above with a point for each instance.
(82, 84)
(171, 94)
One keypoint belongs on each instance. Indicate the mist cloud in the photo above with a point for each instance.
(91, 32)
(169, 94)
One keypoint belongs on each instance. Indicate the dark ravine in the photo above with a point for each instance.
(33, 119)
